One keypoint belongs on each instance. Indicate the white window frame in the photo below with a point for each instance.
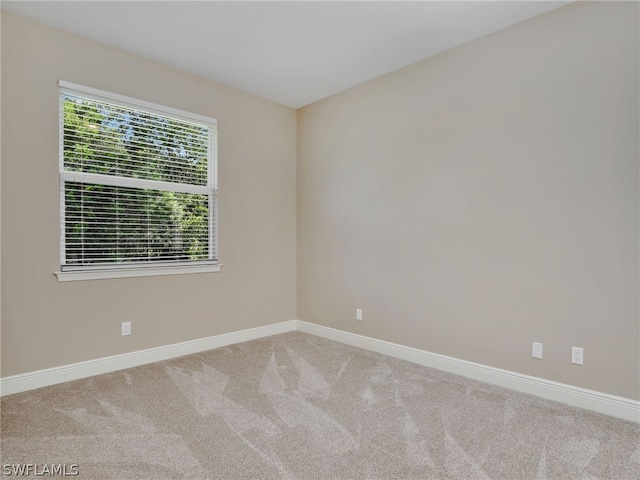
(105, 271)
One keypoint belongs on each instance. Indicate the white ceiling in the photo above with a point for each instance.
(291, 52)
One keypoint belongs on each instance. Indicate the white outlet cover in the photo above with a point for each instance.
(577, 355)
(536, 350)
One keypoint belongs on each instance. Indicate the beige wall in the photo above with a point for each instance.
(46, 323)
(486, 198)
(470, 204)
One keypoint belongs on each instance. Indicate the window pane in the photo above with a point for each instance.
(109, 224)
(109, 139)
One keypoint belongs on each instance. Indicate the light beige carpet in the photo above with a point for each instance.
(299, 406)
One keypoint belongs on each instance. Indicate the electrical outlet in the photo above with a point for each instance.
(536, 350)
(358, 314)
(577, 355)
(126, 328)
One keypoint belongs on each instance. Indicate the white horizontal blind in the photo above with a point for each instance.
(138, 185)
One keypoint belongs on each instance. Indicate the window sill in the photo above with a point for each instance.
(133, 272)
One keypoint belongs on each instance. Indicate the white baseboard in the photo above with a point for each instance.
(75, 371)
(620, 407)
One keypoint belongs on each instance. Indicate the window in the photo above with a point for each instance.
(137, 187)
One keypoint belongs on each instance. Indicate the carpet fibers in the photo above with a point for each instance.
(297, 406)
